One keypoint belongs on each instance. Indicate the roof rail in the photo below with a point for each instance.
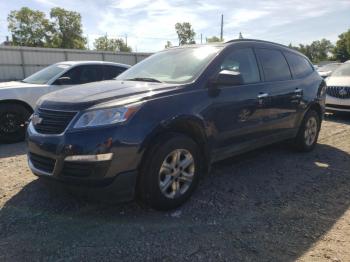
(254, 40)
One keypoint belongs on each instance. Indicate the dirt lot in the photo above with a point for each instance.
(269, 205)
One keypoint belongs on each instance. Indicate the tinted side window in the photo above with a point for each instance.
(274, 65)
(85, 74)
(244, 62)
(299, 65)
(113, 71)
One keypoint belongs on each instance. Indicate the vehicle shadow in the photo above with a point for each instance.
(10, 150)
(342, 118)
(269, 205)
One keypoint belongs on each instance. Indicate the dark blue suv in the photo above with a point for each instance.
(155, 130)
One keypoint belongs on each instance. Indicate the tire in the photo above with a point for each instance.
(160, 169)
(308, 132)
(12, 122)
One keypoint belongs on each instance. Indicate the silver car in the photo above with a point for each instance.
(338, 89)
(18, 98)
(326, 70)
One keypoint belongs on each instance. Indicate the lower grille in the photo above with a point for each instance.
(42, 163)
(76, 169)
(338, 106)
(342, 92)
(53, 122)
(79, 169)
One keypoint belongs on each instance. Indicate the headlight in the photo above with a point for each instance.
(106, 116)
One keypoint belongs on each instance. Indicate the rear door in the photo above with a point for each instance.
(282, 95)
(301, 70)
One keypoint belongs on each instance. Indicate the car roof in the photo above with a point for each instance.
(71, 63)
(257, 42)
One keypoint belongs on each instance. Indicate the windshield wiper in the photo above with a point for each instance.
(146, 79)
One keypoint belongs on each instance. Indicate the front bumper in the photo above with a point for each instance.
(113, 170)
(337, 104)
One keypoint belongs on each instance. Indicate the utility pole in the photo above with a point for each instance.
(87, 40)
(201, 39)
(126, 39)
(222, 28)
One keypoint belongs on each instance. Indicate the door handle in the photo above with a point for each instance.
(261, 98)
(262, 95)
(298, 92)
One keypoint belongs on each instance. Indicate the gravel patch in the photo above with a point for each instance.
(272, 204)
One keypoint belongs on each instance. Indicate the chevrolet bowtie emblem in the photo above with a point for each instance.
(36, 119)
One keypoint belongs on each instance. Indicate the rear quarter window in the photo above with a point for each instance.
(112, 72)
(274, 65)
(299, 65)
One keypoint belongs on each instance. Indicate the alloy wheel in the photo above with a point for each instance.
(176, 173)
(310, 132)
(10, 123)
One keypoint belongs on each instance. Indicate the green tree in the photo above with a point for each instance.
(168, 44)
(29, 28)
(342, 47)
(185, 33)
(104, 43)
(317, 51)
(68, 32)
(321, 50)
(213, 39)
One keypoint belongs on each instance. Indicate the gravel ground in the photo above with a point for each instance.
(268, 205)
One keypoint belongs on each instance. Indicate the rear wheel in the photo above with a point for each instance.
(170, 172)
(12, 122)
(308, 132)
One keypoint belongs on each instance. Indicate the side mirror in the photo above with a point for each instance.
(228, 78)
(64, 80)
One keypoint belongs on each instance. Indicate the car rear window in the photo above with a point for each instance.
(274, 65)
(300, 66)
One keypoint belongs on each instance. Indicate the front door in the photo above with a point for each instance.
(237, 112)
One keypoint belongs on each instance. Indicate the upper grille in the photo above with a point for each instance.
(53, 122)
(339, 91)
(42, 163)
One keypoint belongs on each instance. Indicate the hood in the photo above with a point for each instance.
(338, 81)
(83, 96)
(17, 84)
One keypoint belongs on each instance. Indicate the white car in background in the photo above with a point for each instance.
(338, 89)
(18, 98)
(326, 70)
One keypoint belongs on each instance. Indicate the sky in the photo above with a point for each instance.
(148, 24)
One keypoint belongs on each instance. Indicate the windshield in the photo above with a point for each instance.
(343, 70)
(181, 65)
(46, 74)
(329, 67)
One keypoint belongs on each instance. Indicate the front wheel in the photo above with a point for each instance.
(308, 132)
(170, 172)
(12, 122)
